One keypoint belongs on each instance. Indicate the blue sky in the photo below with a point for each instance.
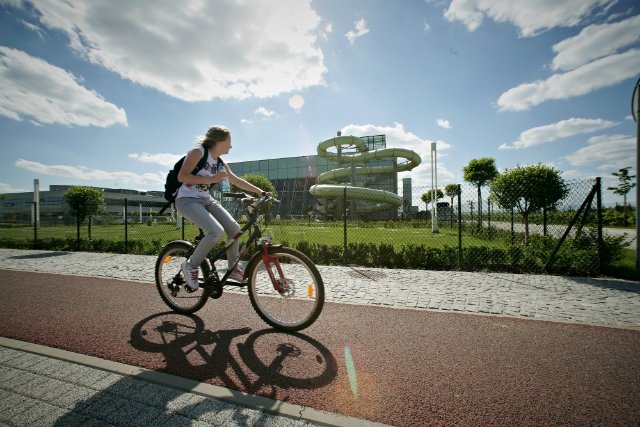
(111, 93)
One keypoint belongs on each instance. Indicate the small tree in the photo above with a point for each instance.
(426, 197)
(261, 182)
(528, 189)
(84, 202)
(452, 190)
(624, 186)
(479, 172)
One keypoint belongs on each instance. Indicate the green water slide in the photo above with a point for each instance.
(328, 186)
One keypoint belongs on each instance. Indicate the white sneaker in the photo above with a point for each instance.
(236, 275)
(191, 276)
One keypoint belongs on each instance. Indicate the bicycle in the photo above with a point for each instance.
(285, 287)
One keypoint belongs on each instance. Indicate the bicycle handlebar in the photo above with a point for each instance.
(255, 201)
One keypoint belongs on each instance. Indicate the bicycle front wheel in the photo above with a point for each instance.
(296, 298)
(170, 281)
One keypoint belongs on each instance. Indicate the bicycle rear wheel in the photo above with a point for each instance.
(171, 283)
(299, 301)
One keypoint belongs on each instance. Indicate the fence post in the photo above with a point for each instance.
(459, 226)
(182, 235)
(344, 216)
(78, 233)
(126, 227)
(35, 225)
(599, 218)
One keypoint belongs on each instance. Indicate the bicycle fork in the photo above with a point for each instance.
(268, 261)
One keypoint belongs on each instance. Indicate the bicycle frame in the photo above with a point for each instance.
(256, 235)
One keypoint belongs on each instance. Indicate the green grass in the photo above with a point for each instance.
(624, 268)
(292, 233)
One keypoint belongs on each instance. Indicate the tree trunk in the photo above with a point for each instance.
(624, 209)
(525, 216)
(479, 206)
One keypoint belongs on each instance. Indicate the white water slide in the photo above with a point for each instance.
(328, 187)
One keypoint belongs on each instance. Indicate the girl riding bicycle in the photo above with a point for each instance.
(195, 203)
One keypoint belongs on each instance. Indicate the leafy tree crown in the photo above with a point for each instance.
(529, 188)
(624, 182)
(480, 171)
(84, 202)
(426, 197)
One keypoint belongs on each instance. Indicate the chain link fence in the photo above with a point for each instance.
(464, 230)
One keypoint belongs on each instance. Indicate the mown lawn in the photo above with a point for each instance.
(292, 233)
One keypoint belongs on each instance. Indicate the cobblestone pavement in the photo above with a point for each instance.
(597, 301)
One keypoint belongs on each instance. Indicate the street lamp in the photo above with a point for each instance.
(434, 189)
(635, 112)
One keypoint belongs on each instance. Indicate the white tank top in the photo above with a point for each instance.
(200, 190)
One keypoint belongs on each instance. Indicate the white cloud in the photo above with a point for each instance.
(196, 50)
(263, 113)
(80, 173)
(562, 129)
(532, 17)
(609, 152)
(163, 159)
(324, 34)
(595, 41)
(31, 87)
(266, 113)
(8, 188)
(360, 30)
(444, 123)
(604, 72)
(398, 137)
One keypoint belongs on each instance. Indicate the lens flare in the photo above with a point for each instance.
(351, 371)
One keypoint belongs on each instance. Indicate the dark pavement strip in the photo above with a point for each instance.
(396, 366)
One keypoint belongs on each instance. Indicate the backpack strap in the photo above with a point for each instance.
(201, 164)
(203, 161)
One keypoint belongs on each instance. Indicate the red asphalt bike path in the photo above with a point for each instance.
(401, 367)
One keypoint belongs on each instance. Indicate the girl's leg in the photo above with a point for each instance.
(197, 211)
(230, 226)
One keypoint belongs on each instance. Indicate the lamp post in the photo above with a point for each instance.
(635, 112)
(434, 189)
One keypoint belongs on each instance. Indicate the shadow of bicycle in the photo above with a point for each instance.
(266, 362)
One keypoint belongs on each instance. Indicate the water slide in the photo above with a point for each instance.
(328, 186)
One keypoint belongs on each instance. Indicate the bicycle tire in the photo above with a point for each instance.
(303, 298)
(167, 267)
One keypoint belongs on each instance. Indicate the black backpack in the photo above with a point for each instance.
(172, 184)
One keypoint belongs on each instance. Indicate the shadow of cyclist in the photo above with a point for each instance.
(267, 360)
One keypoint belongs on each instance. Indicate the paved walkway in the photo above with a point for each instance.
(42, 386)
(598, 301)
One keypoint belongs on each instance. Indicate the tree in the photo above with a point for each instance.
(479, 172)
(84, 202)
(528, 189)
(624, 186)
(261, 182)
(452, 190)
(426, 197)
